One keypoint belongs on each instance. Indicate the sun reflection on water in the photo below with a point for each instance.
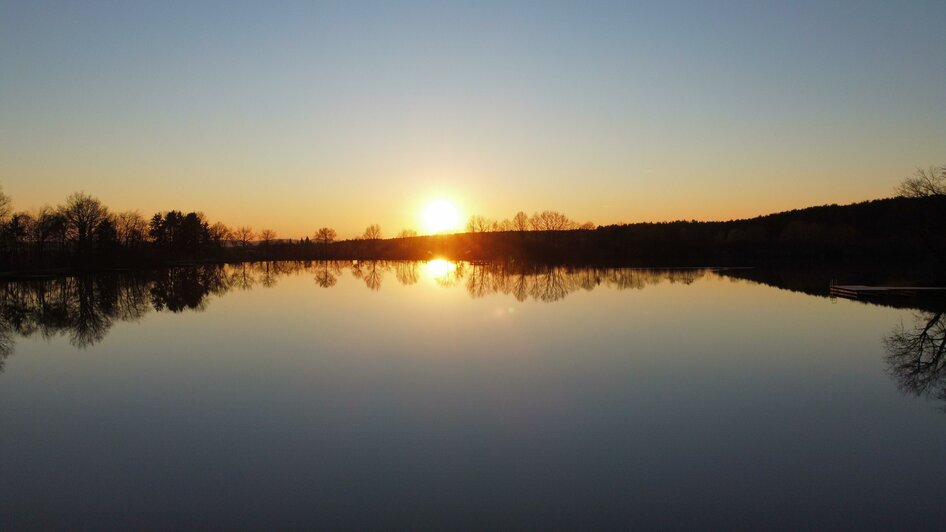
(439, 269)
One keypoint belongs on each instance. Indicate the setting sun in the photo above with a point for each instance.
(441, 216)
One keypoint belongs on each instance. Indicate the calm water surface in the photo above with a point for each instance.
(416, 395)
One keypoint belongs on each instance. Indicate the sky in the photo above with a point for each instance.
(294, 116)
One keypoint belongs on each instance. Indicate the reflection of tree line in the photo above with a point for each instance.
(522, 281)
(551, 283)
(84, 308)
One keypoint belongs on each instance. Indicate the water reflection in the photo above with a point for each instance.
(916, 355)
(84, 308)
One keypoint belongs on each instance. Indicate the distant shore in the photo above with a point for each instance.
(893, 233)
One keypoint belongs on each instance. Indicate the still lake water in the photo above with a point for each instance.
(416, 395)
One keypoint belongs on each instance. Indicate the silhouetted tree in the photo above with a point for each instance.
(106, 236)
(551, 221)
(50, 227)
(180, 233)
(193, 232)
(6, 206)
(244, 235)
(520, 222)
(407, 233)
(267, 236)
(132, 228)
(325, 236)
(16, 229)
(83, 214)
(372, 232)
(219, 233)
(478, 224)
(924, 183)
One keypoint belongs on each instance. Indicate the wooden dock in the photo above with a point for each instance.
(854, 291)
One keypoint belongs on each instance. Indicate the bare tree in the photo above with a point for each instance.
(478, 224)
(50, 226)
(325, 236)
(267, 236)
(219, 232)
(520, 222)
(244, 235)
(6, 206)
(372, 232)
(923, 183)
(83, 215)
(131, 227)
(407, 233)
(551, 221)
(587, 226)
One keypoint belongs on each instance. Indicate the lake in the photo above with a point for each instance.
(455, 395)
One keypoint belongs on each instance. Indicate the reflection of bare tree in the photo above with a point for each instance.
(92, 321)
(916, 356)
(268, 273)
(6, 343)
(452, 278)
(520, 287)
(326, 273)
(552, 283)
(480, 281)
(407, 272)
(373, 274)
(242, 277)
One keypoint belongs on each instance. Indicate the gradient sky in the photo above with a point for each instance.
(348, 113)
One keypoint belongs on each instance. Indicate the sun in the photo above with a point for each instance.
(440, 216)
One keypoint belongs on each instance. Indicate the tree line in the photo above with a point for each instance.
(83, 233)
(539, 221)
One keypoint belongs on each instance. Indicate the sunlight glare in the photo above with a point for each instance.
(441, 216)
(439, 268)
